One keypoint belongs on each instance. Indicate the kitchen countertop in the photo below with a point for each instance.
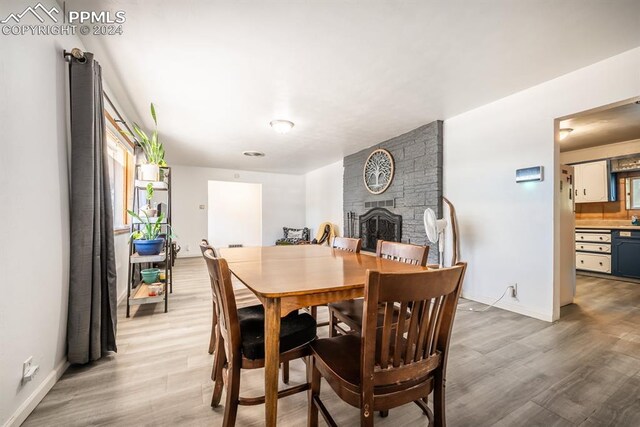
(606, 225)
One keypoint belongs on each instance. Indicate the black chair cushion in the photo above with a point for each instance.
(296, 329)
(351, 312)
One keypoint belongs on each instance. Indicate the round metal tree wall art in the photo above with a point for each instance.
(378, 171)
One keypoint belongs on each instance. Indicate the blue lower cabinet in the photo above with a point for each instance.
(625, 250)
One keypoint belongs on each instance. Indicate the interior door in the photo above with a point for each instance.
(567, 236)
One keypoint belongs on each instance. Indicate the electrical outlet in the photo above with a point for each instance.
(514, 290)
(29, 370)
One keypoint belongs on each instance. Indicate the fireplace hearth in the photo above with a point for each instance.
(379, 224)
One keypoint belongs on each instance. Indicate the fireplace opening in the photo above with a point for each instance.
(379, 224)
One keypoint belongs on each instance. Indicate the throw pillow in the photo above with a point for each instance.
(294, 234)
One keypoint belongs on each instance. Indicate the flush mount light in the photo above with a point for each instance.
(564, 132)
(253, 153)
(281, 126)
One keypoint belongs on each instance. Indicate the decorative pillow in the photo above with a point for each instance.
(294, 234)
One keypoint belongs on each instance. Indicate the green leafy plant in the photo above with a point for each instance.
(150, 230)
(153, 149)
(149, 193)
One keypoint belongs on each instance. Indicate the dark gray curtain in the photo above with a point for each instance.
(91, 326)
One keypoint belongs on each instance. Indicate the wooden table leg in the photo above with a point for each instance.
(272, 360)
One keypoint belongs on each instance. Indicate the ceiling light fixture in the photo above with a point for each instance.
(564, 132)
(253, 153)
(281, 126)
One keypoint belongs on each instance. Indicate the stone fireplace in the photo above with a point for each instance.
(379, 224)
(396, 214)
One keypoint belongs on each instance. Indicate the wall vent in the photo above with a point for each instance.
(235, 245)
(381, 204)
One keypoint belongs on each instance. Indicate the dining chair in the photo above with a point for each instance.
(343, 244)
(349, 312)
(204, 245)
(397, 363)
(240, 343)
(347, 244)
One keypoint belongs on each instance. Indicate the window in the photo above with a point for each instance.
(635, 193)
(120, 165)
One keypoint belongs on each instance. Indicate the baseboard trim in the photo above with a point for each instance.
(509, 307)
(23, 411)
(189, 255)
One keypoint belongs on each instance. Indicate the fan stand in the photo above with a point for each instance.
(441, 249)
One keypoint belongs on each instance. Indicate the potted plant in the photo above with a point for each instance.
(147, 240)
(149, 210)
(153, 150)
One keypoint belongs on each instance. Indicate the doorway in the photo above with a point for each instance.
(599, 161)
(234, 214)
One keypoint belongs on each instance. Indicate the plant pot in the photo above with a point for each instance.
(149, 172)
(148, 247)
(150, 212)
(150, 275)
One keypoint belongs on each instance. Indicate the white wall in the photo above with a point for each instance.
(323, 189)
(122, 263)
(34, 195)
(507, 229)
(283, 202)
(235, 214)
(601, 152)
(35, 212)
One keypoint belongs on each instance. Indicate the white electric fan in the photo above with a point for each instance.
(435, 231)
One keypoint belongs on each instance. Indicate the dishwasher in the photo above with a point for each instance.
(625, 253)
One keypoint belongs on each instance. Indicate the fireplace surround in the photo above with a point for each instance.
(379, 224)
(417, 185)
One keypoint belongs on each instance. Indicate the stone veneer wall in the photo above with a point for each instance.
(416, 185)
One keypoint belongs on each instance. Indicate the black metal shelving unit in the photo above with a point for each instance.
(137, 290)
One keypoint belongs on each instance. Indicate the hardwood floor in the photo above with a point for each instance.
(504, 369)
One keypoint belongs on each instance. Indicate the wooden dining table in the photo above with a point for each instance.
(286, 278)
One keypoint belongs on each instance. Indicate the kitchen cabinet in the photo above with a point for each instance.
(593, 250)
(591, 182)
(626, 253)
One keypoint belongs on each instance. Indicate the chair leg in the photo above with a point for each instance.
(218, 372)
(439, 410)
(285, 372)
(366, 415)
(314, 375)
(233, 394)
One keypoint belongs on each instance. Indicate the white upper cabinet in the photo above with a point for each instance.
(592, 182)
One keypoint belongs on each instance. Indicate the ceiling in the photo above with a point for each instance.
(618, 124)
(348, 74)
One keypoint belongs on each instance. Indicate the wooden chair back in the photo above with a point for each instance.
(347, 244)
(225, 302)
(204, 245)
(403, 252)
(427, 302)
